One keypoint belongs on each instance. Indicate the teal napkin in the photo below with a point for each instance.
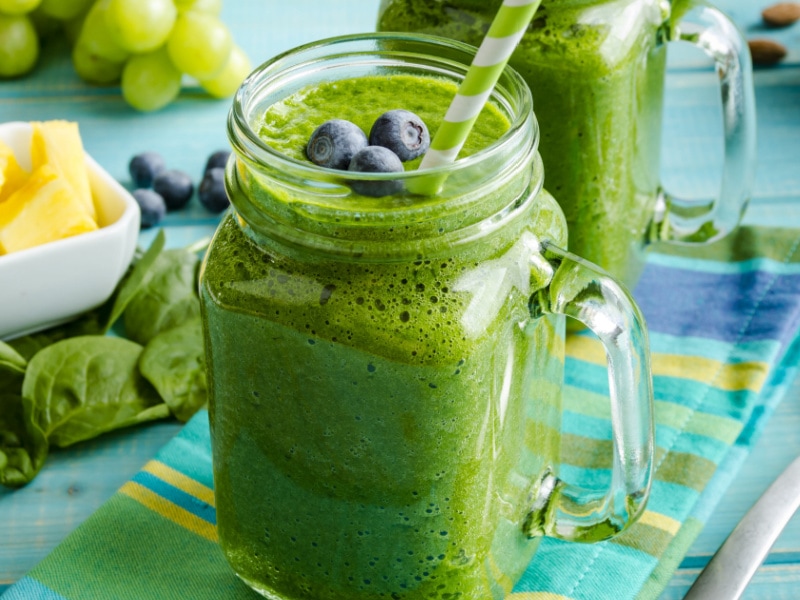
(723, 329)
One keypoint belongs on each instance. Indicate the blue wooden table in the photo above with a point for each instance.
(76, 481)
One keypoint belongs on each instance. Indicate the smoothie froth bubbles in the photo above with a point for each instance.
(385, 373)
(596, 69)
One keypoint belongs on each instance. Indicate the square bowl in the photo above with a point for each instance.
(55, 282)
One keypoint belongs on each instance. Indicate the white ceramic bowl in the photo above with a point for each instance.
(55, 282)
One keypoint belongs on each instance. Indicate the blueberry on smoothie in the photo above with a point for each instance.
(151, 207)
(175, 187)
(144, 167)
(376, 159)
(334, 143)
(402, 132)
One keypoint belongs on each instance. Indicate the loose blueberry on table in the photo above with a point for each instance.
(175, 187)
(144, 167)
(151, 205)
(217, 160)
(211, 192)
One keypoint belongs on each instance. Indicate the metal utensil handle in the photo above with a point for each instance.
(736, 561)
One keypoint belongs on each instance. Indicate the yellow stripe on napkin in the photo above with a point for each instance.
(180, 481)
(537, 596)
(170, 511)
(729, 377)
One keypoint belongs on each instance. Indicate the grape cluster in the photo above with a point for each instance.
(145, 45)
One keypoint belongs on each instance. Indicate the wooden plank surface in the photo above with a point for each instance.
(76, 481)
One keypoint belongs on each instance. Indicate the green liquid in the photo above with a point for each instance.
(596, 74)
(288, 124)
(375, 433)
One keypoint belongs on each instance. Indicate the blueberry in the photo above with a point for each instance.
(217, 160)
(151, 205)
(211, 192)
(144, 168)
(334, 143)
(402, 132)
(376, 159)
(175, 187)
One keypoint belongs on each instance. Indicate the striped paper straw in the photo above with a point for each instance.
(496, 48)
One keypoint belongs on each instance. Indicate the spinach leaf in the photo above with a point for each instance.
(23, 447)
(81, 387)
(86, 324)
(131, 284)
(173, 361)
(167, 299)
(11, 360)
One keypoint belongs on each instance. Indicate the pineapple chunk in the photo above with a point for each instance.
(58, 144)
(43, 210)
(12, 176)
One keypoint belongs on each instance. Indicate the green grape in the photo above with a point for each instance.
(19, 49)
(97, 37)
(212, 7)
(45, 24)
(93, 68)
(18, 7)
(72, 28)
(65, 9)
(199, 44)
(230, 78)
(141, 25)
(150, 81)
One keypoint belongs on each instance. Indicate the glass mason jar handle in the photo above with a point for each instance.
(679, 220)
(582, 290)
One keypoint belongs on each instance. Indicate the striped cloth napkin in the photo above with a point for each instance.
(723, 330)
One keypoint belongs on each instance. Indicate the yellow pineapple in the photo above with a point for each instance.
(43, 210)
(12, 176)
(58, 144)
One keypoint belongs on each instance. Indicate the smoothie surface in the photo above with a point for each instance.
(288, 124)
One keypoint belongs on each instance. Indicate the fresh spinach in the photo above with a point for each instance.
(136, 278)
(73, 382)
(11, 361)
(173, 361)
(81, 387)
(86, 324)
(22, 448)
(167, 299)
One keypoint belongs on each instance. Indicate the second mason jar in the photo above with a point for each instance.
(597, 69)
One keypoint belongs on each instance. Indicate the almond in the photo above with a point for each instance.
(782, 14)
(766, 52)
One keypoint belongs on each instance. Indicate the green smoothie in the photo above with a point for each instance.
(596, 73)
(380, 425)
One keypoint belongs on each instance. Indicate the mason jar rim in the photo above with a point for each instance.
(245, 138)
(295, 203)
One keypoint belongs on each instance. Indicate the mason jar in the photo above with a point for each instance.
(386, 372)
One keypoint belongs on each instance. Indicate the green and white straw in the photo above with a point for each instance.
(496, 48)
